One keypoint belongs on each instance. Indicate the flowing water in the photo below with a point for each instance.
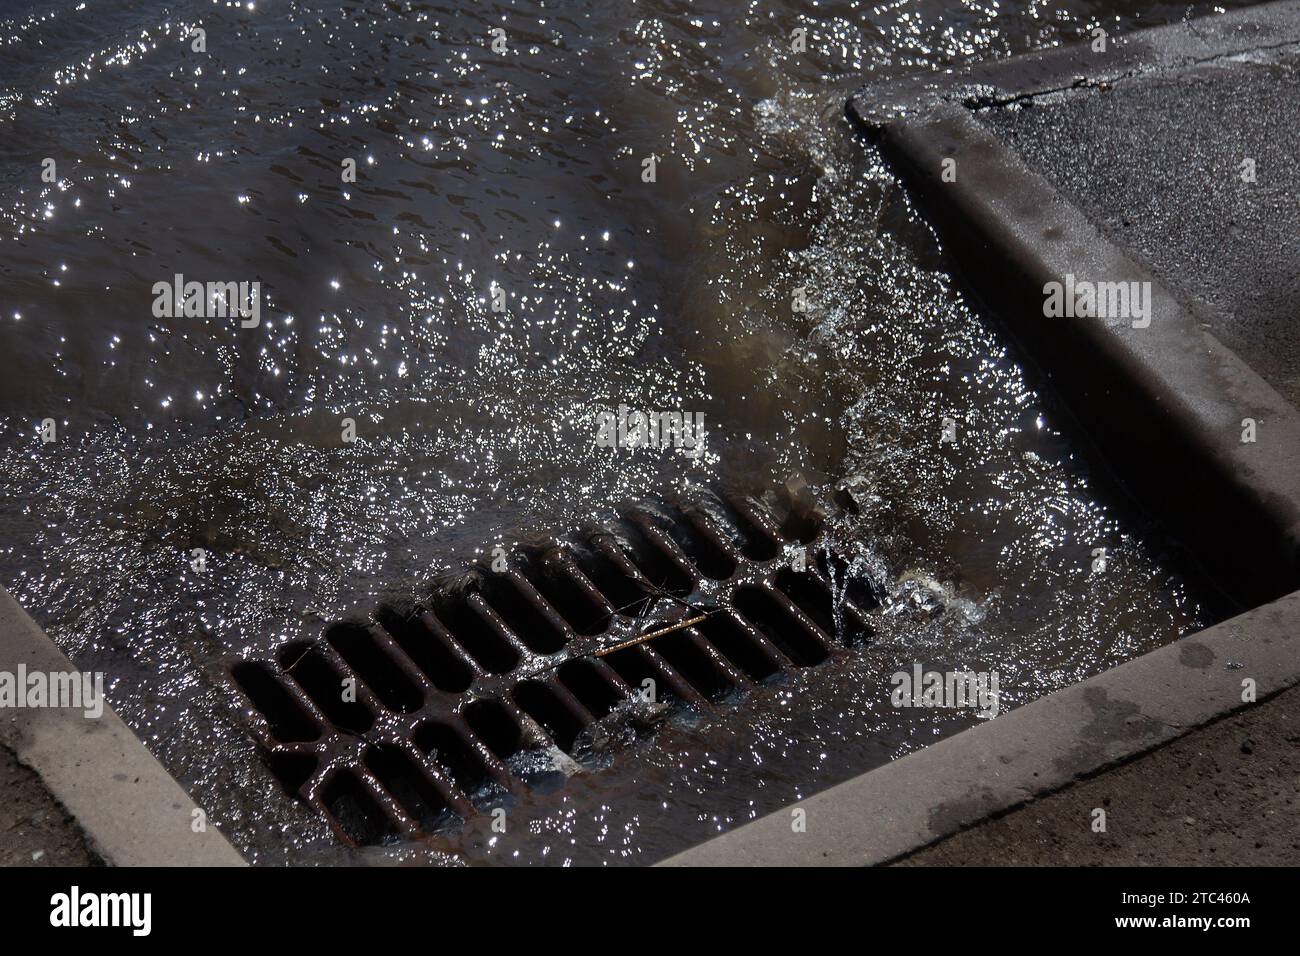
(521, 171)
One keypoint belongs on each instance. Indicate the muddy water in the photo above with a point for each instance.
(519, 170)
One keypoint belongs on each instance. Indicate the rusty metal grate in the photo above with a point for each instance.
(451, 695)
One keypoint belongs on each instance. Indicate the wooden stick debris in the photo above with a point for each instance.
(641, 639)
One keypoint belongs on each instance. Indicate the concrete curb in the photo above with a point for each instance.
(130, 809)
(1030, 752)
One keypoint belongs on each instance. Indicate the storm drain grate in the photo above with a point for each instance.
(452, 695)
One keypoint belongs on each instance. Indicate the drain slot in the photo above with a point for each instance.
(693, 663)
(575, 603)
(759, 540)
(588, 683)
(324, 685)
(651, 553)
(358, 647)
(434, 657)
(468, 628)
(762, 609)
(726, 634)
(542, 704)
(522, 615)
(635, 666)
(625, 594)
(286, 720)
(454, 754)
(355, 810)
(810, 596)
(492, 723)
(704, 546)
(408, 785)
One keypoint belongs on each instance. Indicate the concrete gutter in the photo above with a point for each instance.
(1164, 406)
(130, 809)
(1033, 751)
